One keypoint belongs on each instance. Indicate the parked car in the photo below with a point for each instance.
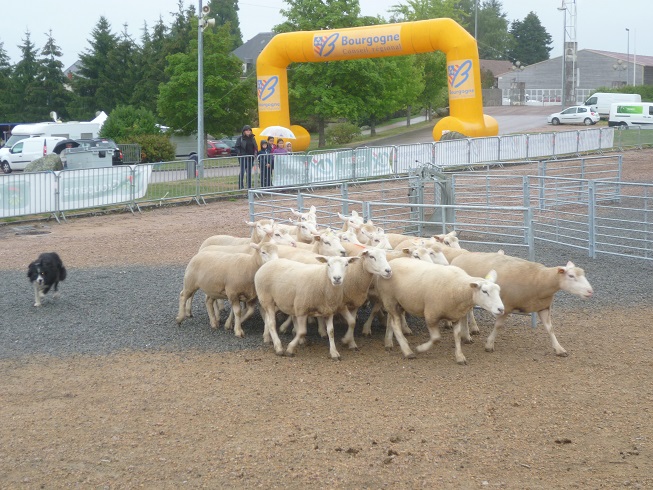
(26, 151)
(110, 145)
(217, 149)
(230, 142)
(577, 114)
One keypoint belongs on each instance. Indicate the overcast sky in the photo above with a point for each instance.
(601, 24)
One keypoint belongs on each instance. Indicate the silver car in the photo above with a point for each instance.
(578, 114)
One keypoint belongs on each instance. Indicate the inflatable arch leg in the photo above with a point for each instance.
(463, 69)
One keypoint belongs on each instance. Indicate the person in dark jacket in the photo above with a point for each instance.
(246, 149)
(266, 162)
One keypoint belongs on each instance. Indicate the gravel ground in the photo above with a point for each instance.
(106, 310)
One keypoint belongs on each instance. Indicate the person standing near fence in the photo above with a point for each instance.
(266, 162)
(281, 148)
(246, 149)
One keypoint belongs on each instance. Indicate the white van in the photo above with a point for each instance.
(631, 114)
(26, 151)
(601, 101)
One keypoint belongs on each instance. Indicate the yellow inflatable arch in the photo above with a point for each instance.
(463, 70)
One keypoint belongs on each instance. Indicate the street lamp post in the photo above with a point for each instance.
(564, 50)
(204, 22)
(627, 56)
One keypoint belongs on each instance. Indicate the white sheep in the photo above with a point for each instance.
(301, 290)
(352, 222)
(527, 287)
(325, 243)
(357, 282)
(310, 215)
(280, 236)
(303, 231)
(419, 253)
(434, 292)
(260, 229)
(224, 276)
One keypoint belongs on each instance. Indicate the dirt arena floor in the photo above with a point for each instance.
(518, 418)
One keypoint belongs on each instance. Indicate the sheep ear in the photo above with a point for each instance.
(453, 233)
(439, 238)
(317, 238)
(570, 264)
(354, 259)
(250, 223)
(491, 276)
(255, 246)
(354, 213)
(406, 250)
(321, 258)
(313, 209)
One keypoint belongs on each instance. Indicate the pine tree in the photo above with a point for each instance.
(6, 100)
(150, 67)
(226, 11)
(532, 43)
(53, 93)
(95, 82)
(26, 82)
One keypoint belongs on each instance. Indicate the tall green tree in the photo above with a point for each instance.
(150, 67)
(183, 29)
(532, 43)
(412, 10)
(494, 40)
(229, 102)
(226, 12)
(123, 60)
(53, 94)
(26, 83)
(6, 100)
(96, 83)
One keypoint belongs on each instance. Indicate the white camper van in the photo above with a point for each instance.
(26, 151)
(601, 101)
(631, 114)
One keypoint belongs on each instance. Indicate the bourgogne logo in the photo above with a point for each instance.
(461, 79)
(358, 42)
(266, 87)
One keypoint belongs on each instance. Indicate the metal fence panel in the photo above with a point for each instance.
(566, 143)
(452, 152)
(589, 140)
(484, 149)
(624, 226)
(374, 161)
(413, 156)
(23, 194)
(541, 145)
(513, 147)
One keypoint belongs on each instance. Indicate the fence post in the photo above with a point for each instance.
(527, 204)
(591, 213)
(306, 169)
(367, 211)
(344, 194)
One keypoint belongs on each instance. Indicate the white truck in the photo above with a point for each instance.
(601, 101)
(73, 129)
(631, 114)
(26, 151)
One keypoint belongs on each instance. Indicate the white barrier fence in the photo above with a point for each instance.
(55, 192)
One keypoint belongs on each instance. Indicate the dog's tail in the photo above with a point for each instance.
(62, 272)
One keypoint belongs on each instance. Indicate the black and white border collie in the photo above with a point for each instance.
(45, 272)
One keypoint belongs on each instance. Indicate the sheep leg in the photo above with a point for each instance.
(545, 318)
(434, 336)
(300, 327)
(395, 322)
(500, 321)
(367, 326)
(321, 329)
(271, 330)
(236, 310)
(332, 343)
(350, 318)
(251, 309)
(458, 327)
(464, 331)
(184, 297)
(404, 325)
(471, 323)
(213, 319)
(284, 326)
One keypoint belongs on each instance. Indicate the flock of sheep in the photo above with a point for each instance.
(304, 272)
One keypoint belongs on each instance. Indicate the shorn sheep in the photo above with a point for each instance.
(527, 287)
(301, 290)
(434, 292)
(224, 276)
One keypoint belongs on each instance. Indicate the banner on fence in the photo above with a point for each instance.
(22, 194)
